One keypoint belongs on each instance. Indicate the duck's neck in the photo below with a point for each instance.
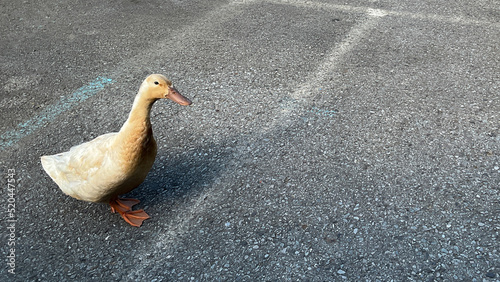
(135, 140)
(138, 119)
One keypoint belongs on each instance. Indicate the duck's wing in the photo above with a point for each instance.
(77, 168)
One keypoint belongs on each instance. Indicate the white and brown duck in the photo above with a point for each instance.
(115, 163)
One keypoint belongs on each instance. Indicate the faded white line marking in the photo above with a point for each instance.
(362, 9)
(307, 90)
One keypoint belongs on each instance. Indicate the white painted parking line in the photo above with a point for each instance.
(181, 222)
(337, 53)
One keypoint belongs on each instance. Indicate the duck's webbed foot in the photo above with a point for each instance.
(123, 206)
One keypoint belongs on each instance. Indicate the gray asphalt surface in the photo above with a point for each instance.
(327, 140)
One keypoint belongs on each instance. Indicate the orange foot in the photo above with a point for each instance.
(124, 207)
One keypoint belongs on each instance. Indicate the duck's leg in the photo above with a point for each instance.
(124, 207)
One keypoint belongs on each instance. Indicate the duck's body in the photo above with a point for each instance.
(115, 163)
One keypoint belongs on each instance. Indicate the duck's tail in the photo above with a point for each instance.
(48, 164)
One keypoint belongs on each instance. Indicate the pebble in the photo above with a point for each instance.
(491, 274)
(340, 271)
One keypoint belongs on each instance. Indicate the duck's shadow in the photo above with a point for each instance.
(177, 175)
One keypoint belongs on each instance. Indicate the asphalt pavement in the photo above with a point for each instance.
(327, 140)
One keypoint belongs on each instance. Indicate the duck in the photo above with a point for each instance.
(115, 163)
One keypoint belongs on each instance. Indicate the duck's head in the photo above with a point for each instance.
(157, 86)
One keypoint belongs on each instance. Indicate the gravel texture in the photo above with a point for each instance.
(326, 141)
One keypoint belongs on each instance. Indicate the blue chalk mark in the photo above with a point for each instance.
(321, 112)
(24, 129)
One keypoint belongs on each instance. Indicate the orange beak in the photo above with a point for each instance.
(175, 96)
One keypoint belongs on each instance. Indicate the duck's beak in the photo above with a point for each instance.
(175, 96)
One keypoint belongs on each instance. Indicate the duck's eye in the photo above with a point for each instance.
(156, 82)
